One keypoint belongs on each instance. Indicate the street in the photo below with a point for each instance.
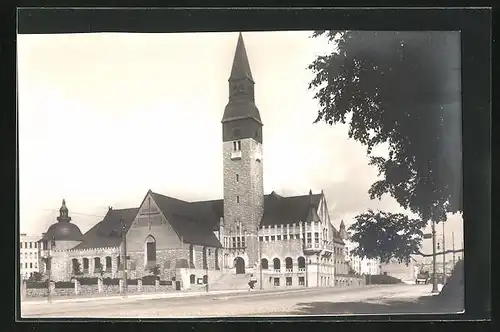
(379, 299)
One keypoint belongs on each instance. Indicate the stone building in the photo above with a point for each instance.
(29, 255)
(286, 241)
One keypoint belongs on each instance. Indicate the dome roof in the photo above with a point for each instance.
(64, 231)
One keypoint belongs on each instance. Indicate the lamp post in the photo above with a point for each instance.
(49, 267)
(124, 260)
(453, 243)
(444, 258)
(434, 280)
(259, 263)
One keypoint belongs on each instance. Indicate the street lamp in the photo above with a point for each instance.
(50, 243)
(434, 280)
(124, 252)
(259, 263)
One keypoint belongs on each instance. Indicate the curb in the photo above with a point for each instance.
(133, 297)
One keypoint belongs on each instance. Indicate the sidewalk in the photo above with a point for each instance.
(165, 295)
(131, 296)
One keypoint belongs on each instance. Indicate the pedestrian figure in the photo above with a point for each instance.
(252, 282)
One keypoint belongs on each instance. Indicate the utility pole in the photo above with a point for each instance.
(50, 243)
(434, 280)
(260, 259)
(453, 243)
(444, 257)
(124, 251)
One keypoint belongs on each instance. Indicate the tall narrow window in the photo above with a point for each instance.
(243, 242)
(239, 145)
(237, 199)
(237, 178)
(150, 250)
(234, 146)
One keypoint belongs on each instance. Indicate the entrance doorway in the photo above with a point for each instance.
(239, 263)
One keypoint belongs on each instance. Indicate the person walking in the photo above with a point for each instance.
(252, 282)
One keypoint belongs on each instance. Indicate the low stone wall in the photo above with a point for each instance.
(82, 290)
(349, 281)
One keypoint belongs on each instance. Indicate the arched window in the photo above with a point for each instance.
(108, 264)
(302, 262)
(192, 279)
(75, 266)
(97, 264)
(85, 265)
(288, 264)
(150, 250)
(264, 264)
(276, 264)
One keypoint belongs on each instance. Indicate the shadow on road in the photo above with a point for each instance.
(423, 305)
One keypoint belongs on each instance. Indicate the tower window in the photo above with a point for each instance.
(237, 145)
(237, 178)
(237, 199)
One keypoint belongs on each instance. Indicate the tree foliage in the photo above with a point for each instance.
(387, 236)
(401, 89)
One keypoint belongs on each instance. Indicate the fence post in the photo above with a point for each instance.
(77, 287)
(99, 285)
(121, 283)
(157, 284)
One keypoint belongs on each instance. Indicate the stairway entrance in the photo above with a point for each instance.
(239, 264)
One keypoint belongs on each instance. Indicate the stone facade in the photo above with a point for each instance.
(243, 194)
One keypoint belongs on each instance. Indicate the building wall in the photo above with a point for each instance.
(400, 271)
(243, 193)
(156, 226)
(29, 255)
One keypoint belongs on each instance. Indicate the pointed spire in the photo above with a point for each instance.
(241, 65)
(342, 225)
(63, 212)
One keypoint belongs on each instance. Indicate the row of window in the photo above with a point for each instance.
(278, 237)
(28, 245)
(288, 281)
(264, 263)
(30, 254)
(31, 265)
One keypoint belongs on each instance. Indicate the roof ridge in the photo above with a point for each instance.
(169, 197)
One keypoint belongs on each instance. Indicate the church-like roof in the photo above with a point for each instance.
(288, 210)
(194, 223)
(107, 233)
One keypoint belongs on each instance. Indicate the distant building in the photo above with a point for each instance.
(29, 255)
(289, 241)
(406, 273)
(357, 264)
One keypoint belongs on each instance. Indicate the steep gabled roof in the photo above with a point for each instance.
(288, 210)
(107, 233)
(188, 220)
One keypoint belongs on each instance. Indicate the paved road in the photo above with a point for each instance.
(320, 301)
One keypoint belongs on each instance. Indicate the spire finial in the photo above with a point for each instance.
(63, 212)
(241, 65)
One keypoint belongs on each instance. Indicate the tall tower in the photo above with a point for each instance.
(242, 159)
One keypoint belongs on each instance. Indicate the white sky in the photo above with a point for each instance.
(105, 117)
